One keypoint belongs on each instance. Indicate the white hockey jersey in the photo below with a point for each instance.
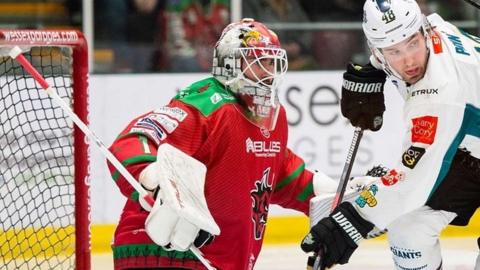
(441, 113)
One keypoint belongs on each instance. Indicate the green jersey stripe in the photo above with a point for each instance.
(306, 192)
(133, 160)
(290, 178)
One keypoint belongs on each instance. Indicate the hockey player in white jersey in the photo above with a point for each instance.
(436, 68)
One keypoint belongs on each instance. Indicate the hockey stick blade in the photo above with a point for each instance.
(16, 53)
(342, 185)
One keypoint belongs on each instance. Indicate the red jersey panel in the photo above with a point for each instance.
(248, 168)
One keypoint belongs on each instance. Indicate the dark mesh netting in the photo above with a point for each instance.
(36, 165)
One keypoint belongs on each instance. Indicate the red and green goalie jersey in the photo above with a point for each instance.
(248, 168)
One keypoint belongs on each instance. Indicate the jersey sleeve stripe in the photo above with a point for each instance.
(134, 196)
(287, 180)
(133, 160)
(306, 192)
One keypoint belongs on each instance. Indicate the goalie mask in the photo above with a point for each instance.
(389, 22)
(249, 60)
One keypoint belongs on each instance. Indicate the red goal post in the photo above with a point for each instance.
(44, 162)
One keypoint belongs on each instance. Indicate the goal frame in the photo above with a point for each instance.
(75, 40)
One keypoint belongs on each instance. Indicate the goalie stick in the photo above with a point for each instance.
(342, 185)
(16, 53)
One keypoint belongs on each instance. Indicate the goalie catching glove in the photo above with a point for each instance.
(338, 235)
(180, 217)
(168, 229)
(362, 96)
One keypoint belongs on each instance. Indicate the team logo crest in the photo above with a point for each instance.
(260, 200)
(250, 38)
(265, 132)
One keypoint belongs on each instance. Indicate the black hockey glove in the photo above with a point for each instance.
(362, 96)
(337, 234)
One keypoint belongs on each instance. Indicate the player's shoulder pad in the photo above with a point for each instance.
(462, 44)
(207, 95)
(435, 20)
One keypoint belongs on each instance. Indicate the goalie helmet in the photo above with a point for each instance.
(389, 22)
(249, 60)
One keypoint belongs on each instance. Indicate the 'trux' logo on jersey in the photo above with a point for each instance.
(260, 201)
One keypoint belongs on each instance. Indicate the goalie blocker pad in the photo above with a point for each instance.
(182, 181)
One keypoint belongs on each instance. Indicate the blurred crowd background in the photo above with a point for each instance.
(143, 36)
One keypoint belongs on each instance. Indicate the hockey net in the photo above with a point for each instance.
(44, 187)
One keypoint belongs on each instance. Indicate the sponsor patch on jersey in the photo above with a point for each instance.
(173, 112)
(411, 157)
(424, 129)
(148, 132)
(436, 42)
(262, 148)
(215, 98)
(367, 197)
(227, 96)
(164, 121)
(149, 127)
(392, 177)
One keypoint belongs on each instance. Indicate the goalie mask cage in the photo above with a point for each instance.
(44, 184)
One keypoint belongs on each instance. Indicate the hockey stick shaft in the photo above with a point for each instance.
(342, 185)
(475, 3)
(347, 168)
(60, 102)
(16, 53)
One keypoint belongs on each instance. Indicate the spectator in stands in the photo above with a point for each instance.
(297, 43)
(334, 48)
(143, 33)
(191, 28)
(129, 28)
(75, 10)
